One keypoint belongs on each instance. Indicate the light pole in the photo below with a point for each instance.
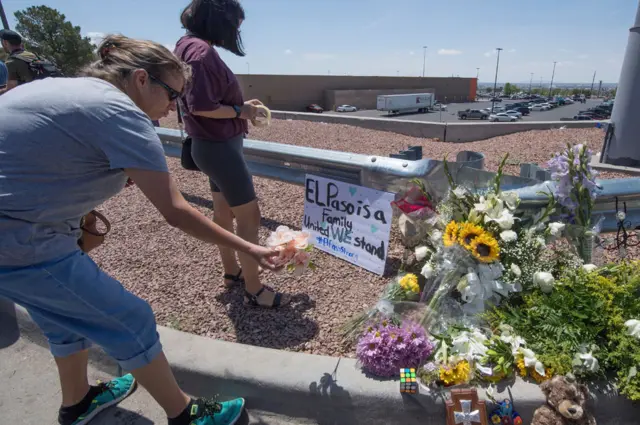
(552, 75)
(424, 60)
(477, 73)
(592, 81)
(248, 68)
(495, 82)
(5, 23)
(530, 82)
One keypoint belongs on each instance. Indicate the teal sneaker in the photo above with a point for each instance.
(210, 412)
(109, 394)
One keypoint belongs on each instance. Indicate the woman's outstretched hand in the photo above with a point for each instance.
(266, 257)
(250, 110)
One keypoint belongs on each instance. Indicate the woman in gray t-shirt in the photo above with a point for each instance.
(66, 146)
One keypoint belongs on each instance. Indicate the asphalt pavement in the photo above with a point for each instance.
(451, 114)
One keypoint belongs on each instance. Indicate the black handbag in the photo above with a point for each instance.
(186, 160)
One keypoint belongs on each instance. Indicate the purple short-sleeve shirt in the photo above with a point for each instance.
(213, 84)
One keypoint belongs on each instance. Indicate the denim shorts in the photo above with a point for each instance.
(75, 303)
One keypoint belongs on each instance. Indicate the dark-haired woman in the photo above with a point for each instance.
(216, 118)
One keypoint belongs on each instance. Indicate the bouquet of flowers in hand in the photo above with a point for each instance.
(294, 249)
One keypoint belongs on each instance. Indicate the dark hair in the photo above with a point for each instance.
(12, 37)
(216, 21)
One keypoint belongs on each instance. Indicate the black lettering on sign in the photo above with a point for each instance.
(377, 251)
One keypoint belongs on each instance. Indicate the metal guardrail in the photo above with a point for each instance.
(289, 163)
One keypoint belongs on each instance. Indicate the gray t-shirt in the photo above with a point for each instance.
(64, 143)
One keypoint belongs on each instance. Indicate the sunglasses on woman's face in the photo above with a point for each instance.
(173, 94)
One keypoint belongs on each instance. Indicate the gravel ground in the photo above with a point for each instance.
(182, 277)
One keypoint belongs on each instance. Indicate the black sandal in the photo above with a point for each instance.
(236, 279)
(251, 300)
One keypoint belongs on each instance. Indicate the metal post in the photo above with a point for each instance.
(552, 75)
(248, 68)
(424, 60)
(530, 82)
(592, 82)
(599, 88)
(5, 23)
(477, 74)
(623, 147)
(495, 82)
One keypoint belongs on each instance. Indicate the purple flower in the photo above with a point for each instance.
(383, 350)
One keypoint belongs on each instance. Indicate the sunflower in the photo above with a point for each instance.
(521, 367)
(468, 232)
(451, 233)
(548, 374)
(485, 248)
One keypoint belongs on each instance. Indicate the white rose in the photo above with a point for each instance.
(589, 362)
(508, 235)
(633, 327)
(511, 199)
(436, 237)
(505, 220)
(460, 191)
(516, 270)
(541, 240)
(556, 228)
(421, 252)
(621, 216)
(589, 267)
(427, 271)
(544, 280)
(482, 206)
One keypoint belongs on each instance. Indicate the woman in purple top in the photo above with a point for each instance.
(215, 116)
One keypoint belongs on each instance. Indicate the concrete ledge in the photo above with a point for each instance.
(313, 389)
(456, 132)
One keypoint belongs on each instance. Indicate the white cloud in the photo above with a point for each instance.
(490, 53)
(511, 50)
(96, 37)
(288, 52)
(565, 63)
(171, 47)
(583, 56)
(317, 56)
(449, 52)
(411, 53)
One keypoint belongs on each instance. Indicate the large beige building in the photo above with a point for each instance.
(295, 92)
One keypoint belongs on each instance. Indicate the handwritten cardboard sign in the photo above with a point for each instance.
(350, 222)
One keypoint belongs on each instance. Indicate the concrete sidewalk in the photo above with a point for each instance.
(281, 388)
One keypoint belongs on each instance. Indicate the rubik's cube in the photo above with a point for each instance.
(408, 381)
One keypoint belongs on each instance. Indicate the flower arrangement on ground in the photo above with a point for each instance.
(513, 293)
(386, 347)
(294, 249)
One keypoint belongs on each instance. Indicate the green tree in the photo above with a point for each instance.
(47, 32)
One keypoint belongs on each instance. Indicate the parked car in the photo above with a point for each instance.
(495, 99)
(346, 108)
(524, 110)
(502, 117)
(315, 108)
(439, 106)
(540, 107)
(568, 101)
(581, 117)
(473, 114)
(514, 113)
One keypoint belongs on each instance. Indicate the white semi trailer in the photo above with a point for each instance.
(397, 103)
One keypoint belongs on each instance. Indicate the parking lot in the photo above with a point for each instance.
(451, 114)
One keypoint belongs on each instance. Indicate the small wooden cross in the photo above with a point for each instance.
(464, 408)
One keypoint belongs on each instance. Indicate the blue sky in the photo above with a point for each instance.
(382, 37)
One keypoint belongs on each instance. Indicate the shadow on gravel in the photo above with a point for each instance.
(279, 328)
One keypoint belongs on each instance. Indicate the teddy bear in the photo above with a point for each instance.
(566, 403)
